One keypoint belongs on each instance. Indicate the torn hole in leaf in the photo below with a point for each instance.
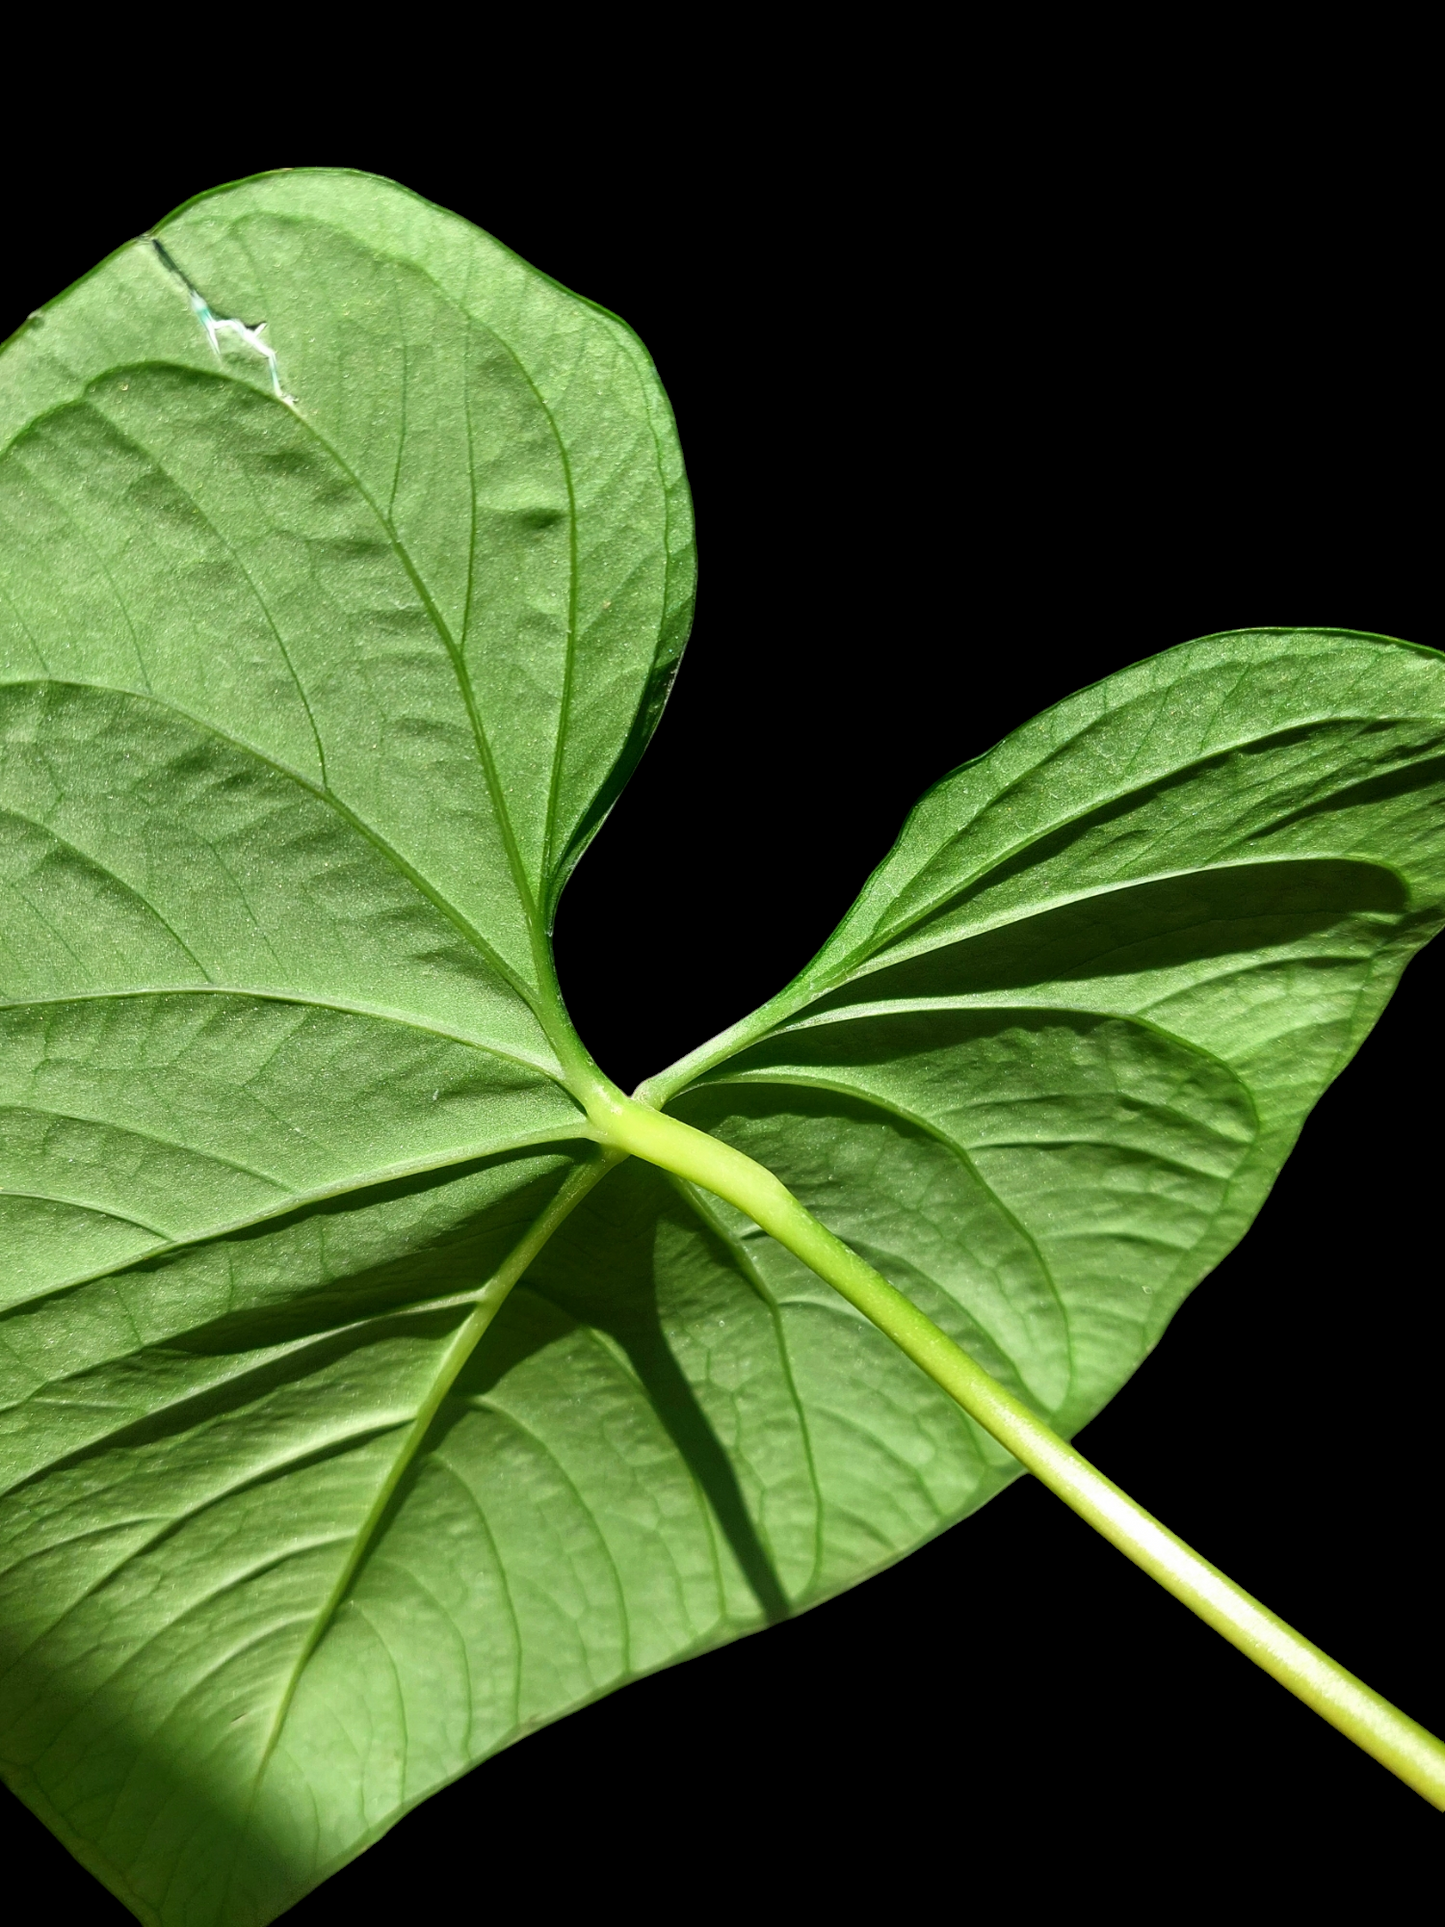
(227, 335)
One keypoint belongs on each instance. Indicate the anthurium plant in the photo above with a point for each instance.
(380, 1381)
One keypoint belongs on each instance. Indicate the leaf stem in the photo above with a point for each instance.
(1390, 1736)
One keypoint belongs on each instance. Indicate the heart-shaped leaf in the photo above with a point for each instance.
(325, 646)
(347, 563)
(1091, 995)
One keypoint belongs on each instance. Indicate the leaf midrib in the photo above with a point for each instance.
(468, 1335)
(306, 1000)
(794, 1000)
(76, 1204)
(296, 1202)
(9, 1105)
(455, 651)
(970, 881)
(438, 623)
(327, 797)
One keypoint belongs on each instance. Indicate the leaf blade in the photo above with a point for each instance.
(673, 1433)
(1245, 889)
(291, 778)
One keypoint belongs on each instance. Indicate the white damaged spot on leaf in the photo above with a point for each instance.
(218, 327)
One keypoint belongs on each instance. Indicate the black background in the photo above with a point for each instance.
(962, 439)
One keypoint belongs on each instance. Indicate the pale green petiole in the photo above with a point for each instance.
(1394, 1739)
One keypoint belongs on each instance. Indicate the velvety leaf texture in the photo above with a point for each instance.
(324, 649)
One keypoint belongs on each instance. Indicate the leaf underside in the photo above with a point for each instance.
(323, 653)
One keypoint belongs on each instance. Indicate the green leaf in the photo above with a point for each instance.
(325, 651)
(1078, 1016)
